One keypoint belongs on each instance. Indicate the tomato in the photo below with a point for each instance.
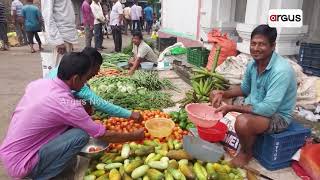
(92, 149)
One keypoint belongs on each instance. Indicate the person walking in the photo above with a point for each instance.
(32, 23)
(88, 21)
(3, 28)
(141, 20)
(16, 12)
(135, 17)
(127, 19)
(148, 14)
(116, 19)
(99, 20)
(59, 21)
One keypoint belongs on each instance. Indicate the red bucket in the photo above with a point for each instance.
(213, 134)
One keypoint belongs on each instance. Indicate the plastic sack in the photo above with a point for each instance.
(310, 160)
(228, 47)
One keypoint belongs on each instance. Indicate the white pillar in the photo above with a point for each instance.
(217, 14)
(257, 13)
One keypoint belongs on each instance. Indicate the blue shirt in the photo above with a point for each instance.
(273, 91)
(148, 13)
(100, 104)
(31, 15)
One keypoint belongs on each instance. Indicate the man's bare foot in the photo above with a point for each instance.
(33, 51)
(241, 160)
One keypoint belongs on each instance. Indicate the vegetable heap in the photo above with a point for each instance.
(111, 60)
(140, 91)
(181, 118)
(127, 125)
(153, 160)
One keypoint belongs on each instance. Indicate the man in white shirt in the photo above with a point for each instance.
(16, 12)
(142, 52)
(116, 21)
(99, 20)
(127, 19)
(135, 17)
(59, 21)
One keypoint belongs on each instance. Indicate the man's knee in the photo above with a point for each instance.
(82, 137)
(241, 124)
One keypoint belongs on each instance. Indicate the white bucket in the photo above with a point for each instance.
(48, 62)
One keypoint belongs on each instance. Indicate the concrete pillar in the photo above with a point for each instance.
(219, 14)
(257, 13)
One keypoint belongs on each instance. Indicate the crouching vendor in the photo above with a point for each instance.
(49, 126)
(142, 52)
(86, 94)
(269, 87)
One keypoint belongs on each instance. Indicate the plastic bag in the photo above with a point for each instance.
(310, 160)
(178, 50)
(228, 47)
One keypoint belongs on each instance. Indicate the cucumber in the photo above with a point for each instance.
(113, 166)
(140, 171)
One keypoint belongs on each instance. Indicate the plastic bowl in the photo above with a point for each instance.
(159, 127)
(203, 115)
(93, 143)
(123, 64)
(214, 134)
(147, 65)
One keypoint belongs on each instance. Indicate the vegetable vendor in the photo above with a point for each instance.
(270, 88)
(49, 126)
(88, 95)
(142, 52)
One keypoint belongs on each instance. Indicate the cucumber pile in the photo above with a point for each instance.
(154, 160)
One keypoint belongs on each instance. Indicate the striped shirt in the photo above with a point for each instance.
(2, 13)
(16, 6)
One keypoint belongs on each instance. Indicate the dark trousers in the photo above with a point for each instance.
(3, 32)
(149, 26)
(117, 38)
(98, 36)
(136, 25)
(31, 35)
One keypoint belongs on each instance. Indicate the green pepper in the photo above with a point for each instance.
(175, 116)
(190, 125)
(183, 124)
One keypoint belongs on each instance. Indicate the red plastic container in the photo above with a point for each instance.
(213, 134)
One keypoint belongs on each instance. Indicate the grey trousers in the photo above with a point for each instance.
(88, 35)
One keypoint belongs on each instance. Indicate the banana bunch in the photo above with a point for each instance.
(218, 81)
(203, 82)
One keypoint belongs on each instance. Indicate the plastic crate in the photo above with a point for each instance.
(309, 58)
(198, 56)
(279, 148)
(273, 166)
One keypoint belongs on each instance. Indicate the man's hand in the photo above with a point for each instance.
(136, 116)
(138, 135)
(119, 137)
(216, 98)
(224, 109)
(91, 28)
(61, 49)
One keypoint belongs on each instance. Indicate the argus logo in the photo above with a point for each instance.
(285, 18)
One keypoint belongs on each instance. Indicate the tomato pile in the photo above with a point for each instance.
(128, 125)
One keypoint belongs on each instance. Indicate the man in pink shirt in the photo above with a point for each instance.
(49, 126)
(88, 21)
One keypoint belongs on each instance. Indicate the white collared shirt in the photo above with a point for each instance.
(116, 11)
